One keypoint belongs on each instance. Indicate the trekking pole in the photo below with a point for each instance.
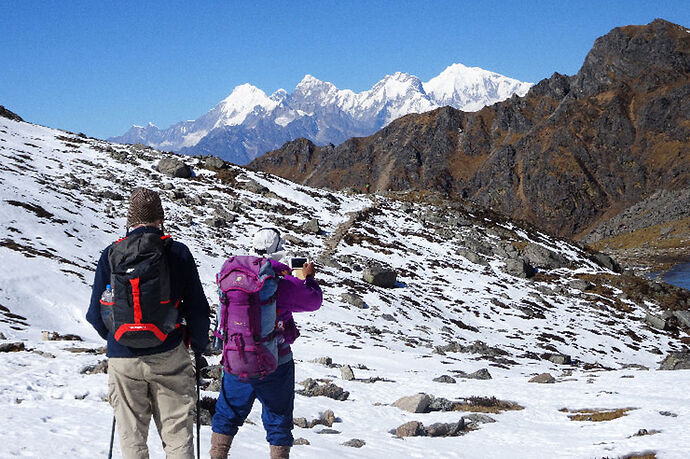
(112, 438)
(198, 409)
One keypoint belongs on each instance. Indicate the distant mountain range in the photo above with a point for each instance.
(248, 123)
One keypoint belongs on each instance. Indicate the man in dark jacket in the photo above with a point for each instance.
(156, 381)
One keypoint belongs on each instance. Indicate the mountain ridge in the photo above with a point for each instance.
(248, 122)
(572, 152)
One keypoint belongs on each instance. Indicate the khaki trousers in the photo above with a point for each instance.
(162, 385)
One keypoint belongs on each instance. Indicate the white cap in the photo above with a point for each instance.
(267, 241)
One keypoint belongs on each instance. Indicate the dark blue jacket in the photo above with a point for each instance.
(185, 284)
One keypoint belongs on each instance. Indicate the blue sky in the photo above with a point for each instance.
(99, 66)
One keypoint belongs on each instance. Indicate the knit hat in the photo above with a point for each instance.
(267, 241)
(144, 207)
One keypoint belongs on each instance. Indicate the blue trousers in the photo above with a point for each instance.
(276, 392)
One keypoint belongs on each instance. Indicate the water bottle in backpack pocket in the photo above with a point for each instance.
(247, 287)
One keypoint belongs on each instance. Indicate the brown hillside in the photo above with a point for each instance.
(570, 154)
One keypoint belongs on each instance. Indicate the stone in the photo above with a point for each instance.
(353, 300)
(519, 268)
(55, 336)
(327, 431)
(418, 403)
(253, 187)
(445, 379)
(607, 262)
(379, 275)
(346, 373)
(300, 422)
(559, 359)
(324, 361)
(482, 373)
(12, 347)
(438, 429)
(478, 418)
(355, 443)
(311, 227)
(440, 404)
(541, 257)
(174, 168)
(2, 336)
(544, 378)
(300, 442)
(683, 318)
(216, 222)
(473, 257)
(656, 322)
(328, 418)
(668, 413)
(214, 386)
(676, 361)
(100, 367)
(214, 162)
(580, 284)
(411, 429)
(330, 390)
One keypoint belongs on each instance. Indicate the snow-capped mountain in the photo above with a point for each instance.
(249, 123)
(457, 307)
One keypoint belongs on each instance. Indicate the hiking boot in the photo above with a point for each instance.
(220, 445)
(280, 452)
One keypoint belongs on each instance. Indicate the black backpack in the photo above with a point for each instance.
(138, 309)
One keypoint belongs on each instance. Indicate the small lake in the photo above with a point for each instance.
(679, 276)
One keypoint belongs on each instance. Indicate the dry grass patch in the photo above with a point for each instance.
(595, 414)
(486, 405)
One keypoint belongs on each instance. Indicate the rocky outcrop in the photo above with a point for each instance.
(8, 114)
(570, 154)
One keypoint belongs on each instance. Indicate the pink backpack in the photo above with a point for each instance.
(247, 325)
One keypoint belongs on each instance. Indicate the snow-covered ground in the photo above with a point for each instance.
(62, 202)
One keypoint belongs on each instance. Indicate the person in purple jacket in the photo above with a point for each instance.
(276, 392)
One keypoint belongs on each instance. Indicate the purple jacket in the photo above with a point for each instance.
(294, 295)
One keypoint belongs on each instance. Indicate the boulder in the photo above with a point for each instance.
(418, 403)
(300, 422)
(482, 373)
(311, 227)
(355, 443)
(473, 257)
(346, 373)
(353, 300)
(445, 379)
(683, 318)
(676, 361)
(300, 442)
(440, 404)
(477, 418)
(559, 359)
(379, 275)
(411, 429)
(12, 347)
(100, 367)
(328, 418)
(541, 257)
(174, 168)
(607, 262)
(314, 389)
(656, 322)
(214, 162)
(519, 268)
(544, 378)
(446, 429)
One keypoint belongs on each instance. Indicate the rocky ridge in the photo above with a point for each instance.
(572, 153)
